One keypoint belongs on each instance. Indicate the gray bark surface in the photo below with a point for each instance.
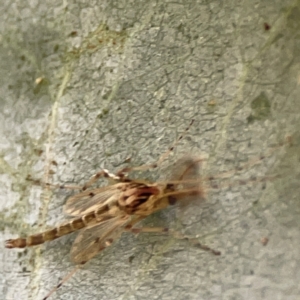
(89, 83)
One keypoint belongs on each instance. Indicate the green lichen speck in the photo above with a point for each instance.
(261, 108)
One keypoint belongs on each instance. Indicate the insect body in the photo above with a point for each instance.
(123, 204)
(101, 215)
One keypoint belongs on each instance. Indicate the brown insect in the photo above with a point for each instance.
(103, 214)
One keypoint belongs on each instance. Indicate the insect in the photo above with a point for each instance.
(102, 214)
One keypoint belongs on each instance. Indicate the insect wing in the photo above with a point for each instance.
(94, 239)
(90, 200)
(187, 172)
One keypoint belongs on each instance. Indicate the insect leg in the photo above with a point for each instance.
(176, 235)
(254, 161)
(123, 171)
(137, 230)
(103, 173)
(65, 279)
(55, 186)
(194, 242)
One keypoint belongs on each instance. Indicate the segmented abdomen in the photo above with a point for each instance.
(52, 234)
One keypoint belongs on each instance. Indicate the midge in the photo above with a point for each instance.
(103, 214)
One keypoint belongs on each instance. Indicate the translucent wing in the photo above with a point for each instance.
(94, 239)
(187, 172)
(91, 200)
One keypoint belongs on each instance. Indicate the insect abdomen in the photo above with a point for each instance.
(48, 235)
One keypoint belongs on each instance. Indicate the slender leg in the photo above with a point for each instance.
(254, 161)
(144, 167)
(103, 173)
(176, 235)
(55, 186)
(65, 279)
